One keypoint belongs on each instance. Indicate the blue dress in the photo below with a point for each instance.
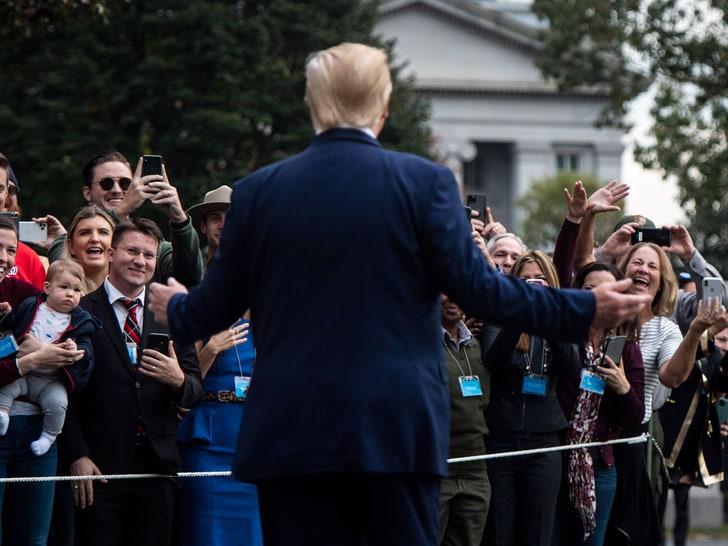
(217, 510)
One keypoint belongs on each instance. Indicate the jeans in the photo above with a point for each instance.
(605, 482)
(26, 507)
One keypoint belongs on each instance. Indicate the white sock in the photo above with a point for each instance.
(4, 422)
(43, 444)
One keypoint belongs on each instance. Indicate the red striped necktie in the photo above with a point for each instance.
(131, 325)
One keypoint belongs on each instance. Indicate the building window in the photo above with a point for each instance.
(568, 162)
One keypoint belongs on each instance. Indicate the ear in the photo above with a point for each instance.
(46, 287)
(87, 193)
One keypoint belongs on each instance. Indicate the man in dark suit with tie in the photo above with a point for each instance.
(124, 421)
(341, 253)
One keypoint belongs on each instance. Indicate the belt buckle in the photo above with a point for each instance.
(225, 396)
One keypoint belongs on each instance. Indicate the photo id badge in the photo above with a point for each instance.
(241, 386)
(8, 345)
(591, 382)
(535, 384)
(131, 349)
(470, 385)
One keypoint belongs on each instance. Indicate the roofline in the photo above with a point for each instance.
(474, 16)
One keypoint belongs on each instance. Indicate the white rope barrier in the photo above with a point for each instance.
(633, 440)
(215, 474)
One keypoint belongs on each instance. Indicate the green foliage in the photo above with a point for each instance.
(216, 87)
(544, 210)
(681, 46)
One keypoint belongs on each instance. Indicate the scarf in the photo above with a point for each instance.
(580, 467)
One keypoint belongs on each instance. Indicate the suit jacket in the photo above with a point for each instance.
(101, 422)
(341, 253)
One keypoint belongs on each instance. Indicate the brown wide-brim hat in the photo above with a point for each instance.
(214, 200)
(643, 221)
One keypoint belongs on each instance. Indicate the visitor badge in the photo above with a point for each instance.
(535, 384)
(241, 386)
(470, 385)
(591, 382)
(131, 350)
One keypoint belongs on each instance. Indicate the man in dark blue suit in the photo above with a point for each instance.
(341, 253)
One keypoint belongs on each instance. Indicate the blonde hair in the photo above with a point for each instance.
(90, 211)
(63, 265)
(347, 85)
(549, 271)
(663, 304)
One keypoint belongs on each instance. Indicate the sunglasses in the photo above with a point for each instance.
(107, 183)
(13, 189)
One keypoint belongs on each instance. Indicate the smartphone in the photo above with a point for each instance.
(713, 288)
(536, 282)
(14, 216)
(476, 201)
(151, 164)
(29, 232)
(613, 348)
(721, 406)
(468, 212)
(158, 342)
(659, 236)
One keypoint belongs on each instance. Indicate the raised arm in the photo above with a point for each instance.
(603, 200)
(677, 369)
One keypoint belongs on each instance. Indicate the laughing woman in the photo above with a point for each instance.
(88, 241)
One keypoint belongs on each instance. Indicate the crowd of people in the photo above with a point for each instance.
(389, 336)
(544, 393)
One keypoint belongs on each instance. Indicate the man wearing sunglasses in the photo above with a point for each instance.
(110, 184)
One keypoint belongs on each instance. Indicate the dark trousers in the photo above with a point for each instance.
(350, 509)
(524, 489)
(682, 514)
(137, 512)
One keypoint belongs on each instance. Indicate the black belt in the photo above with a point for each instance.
(221, 396)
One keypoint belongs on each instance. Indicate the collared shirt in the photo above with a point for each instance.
(119, 309)
(366, 130)
(463, 333)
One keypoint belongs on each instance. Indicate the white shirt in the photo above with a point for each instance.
(120, 309)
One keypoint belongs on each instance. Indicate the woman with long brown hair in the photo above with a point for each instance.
(524, 413)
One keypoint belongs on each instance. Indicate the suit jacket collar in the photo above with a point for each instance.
(103, 309)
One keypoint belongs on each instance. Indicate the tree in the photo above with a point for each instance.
(545, 209)
(681, 46)
(216, 87)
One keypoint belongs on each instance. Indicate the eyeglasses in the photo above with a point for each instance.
(134, 252)
(13, 189)
(108, 182)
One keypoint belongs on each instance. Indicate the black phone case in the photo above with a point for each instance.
(158, 342)
(660, 237)
(477, 202)
(151, 164)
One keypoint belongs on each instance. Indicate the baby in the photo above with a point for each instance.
(52, 317)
